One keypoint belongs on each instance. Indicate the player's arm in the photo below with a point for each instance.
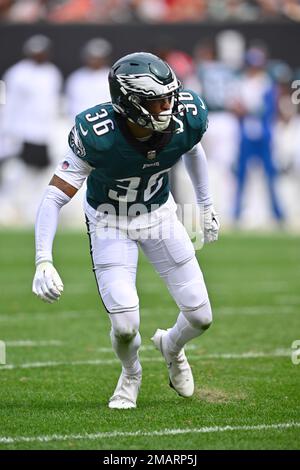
(196, 165)
(68, 178)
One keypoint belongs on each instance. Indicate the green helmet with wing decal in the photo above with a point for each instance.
(138, 78)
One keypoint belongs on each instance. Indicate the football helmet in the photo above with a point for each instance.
(137, 78)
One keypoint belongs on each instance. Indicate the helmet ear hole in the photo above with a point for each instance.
(134, 99)
(141, 121)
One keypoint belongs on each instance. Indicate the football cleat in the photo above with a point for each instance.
(126, 392)
(180, 373)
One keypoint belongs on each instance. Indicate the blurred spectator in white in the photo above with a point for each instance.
(88, 85)
(255, 105)
(230, 47)
(218, 82)
(33, 88)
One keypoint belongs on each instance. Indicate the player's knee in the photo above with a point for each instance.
(120, 297)
(125, 326)
(195, 304)
(201, 318)
(125, 333)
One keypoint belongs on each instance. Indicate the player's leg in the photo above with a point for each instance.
(241, 174)
(114, 262)
(174, 259)
(270, 171)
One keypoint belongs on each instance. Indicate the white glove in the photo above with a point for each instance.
(211, 225)
(47, 284)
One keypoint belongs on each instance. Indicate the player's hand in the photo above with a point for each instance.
(211, 225)
(47, 284)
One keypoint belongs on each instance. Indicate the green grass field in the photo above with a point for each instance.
(61, 370)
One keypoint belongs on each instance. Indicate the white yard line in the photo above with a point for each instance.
(188, 347)
(162, 432)
(32, 343)
(97, 362)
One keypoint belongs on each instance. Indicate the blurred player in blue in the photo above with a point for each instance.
(125, 149)
(256, 107)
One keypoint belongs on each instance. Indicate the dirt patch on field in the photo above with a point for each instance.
(215, 395)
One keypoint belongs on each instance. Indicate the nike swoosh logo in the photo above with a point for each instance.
(82, 130)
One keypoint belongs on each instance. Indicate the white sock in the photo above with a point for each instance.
(127, 352)
(182, 332)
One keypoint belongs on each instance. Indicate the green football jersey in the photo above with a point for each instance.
(127, 171)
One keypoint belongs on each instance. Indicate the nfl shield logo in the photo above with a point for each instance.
(65, 165)
(151, 154)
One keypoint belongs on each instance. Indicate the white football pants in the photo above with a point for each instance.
(168, 247)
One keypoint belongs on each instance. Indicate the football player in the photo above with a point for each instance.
(125, 149)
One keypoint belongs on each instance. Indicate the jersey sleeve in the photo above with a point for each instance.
(80, 146)
(73, 170)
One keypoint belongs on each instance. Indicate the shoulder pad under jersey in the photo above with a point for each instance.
(194, 109)
(93, 131)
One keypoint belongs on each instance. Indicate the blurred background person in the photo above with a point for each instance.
(255, 106)
(89, 84)
(33, 88)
